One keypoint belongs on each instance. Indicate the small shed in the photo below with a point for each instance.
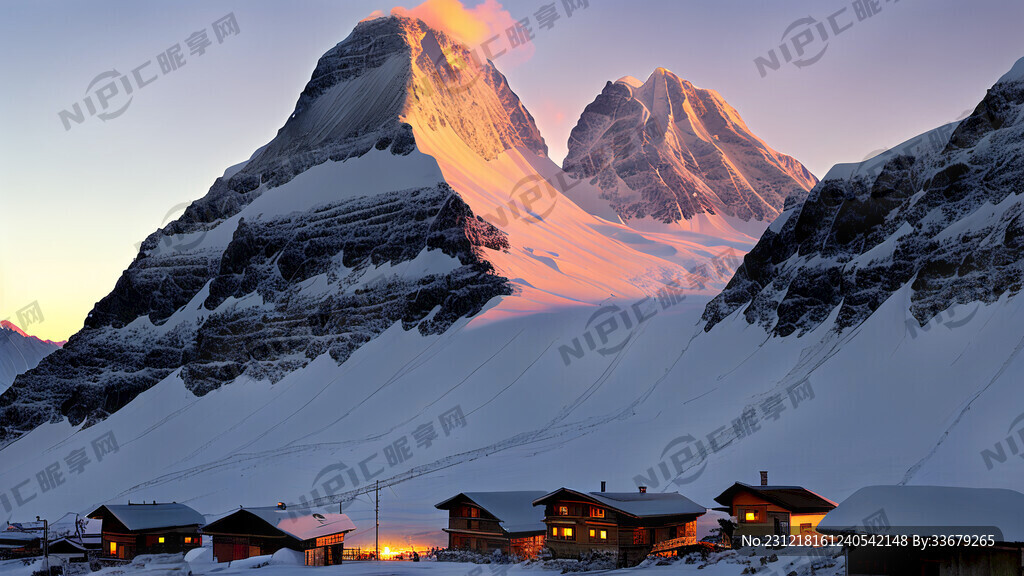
(260, 531)
(933, 511)
(73, 537)
(133, 529)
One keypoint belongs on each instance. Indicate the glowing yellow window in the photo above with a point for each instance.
(113, 548)
(567, 532)
(188, 539)
(604, 534)
(751, 516)
(160, 539)
(592, 531)
(554, 532)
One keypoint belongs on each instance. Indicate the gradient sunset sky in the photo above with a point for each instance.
(77, 202)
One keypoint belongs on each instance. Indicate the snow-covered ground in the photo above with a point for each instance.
(802, 562)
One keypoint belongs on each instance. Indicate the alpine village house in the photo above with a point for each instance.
(765, 510)
(631, 524)
(133, 529)
(488, 521)
(250, 532)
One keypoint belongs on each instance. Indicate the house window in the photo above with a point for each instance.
(188, 539)
(596, 512)
(113, 548)
(598, 535)
(160, 540)
(562, 510)
(750, 516)
(640, 536)
(562, 533)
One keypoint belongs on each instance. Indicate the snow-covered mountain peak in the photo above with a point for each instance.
(664, 153)
(941, 214)
(410, 187)
(1015, 74)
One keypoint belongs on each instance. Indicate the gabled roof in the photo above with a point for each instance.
(914, 509)
(793, 498)
(513, 509)
(301, 526)
(640, 505)
(151, 516)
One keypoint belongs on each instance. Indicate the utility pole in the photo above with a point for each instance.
(46, 544)
(377, 521)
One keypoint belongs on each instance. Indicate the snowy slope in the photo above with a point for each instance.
(411, 185)
(19, 352)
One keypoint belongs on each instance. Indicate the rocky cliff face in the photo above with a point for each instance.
(948, 222)
(667, 150)
(334, 231)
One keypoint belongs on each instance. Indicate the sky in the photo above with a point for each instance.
(76, 202)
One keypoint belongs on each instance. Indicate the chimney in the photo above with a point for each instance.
(281, 506)
(341, 507)
(603, 485)
(764, 477)
(643, 489)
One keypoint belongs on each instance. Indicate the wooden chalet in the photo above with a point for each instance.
(631, 524)
(764, 510)
(16, 543)
(133, 529)
(928, 511)
(489, 521)
(260, 531)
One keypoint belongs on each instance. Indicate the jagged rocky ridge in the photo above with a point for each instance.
(668, 150)
(948, 222)
(256, 316)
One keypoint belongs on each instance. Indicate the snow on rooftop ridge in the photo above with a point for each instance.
(1015, 74)
(914, 509)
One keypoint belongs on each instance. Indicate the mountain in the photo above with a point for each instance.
(666, 153)
(20, 352)
(592, 356)
(409, 187)
(946, 222)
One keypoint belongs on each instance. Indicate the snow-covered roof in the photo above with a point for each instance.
(301, 526)
(640, 504)
(914, 509)
(513, 509)
(150, 516)
(66, 526)
(17, 536)
(793, 498)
